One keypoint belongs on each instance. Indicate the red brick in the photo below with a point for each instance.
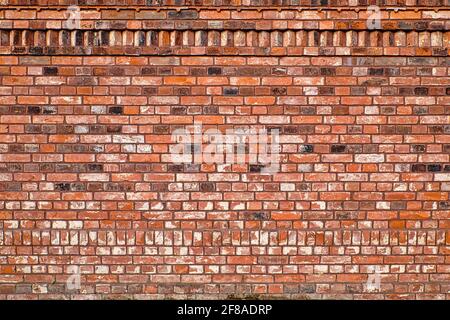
(86, 177)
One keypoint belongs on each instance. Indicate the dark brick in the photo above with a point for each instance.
(421, 91)
(178, 110)
(249, 215)
(376, 71)
(256, 168)
(62, 186)
(116, 110)
(338, 148)
(418, 168)
(230, 91)
(214, 71)
(175, 168)
(434, 167)
(182, 14)
(418, 148)
(207, 186)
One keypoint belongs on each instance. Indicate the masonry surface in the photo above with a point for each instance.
(86, 123)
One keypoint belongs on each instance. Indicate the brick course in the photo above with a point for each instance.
(86, 123)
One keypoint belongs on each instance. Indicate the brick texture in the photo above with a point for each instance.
(86, 123)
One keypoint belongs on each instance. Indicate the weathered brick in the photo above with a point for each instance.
(86, 177)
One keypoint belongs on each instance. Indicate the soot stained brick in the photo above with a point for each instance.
(34, 110)
(434, 167)
(62, 186)
(116, 110)
(338, 148)
(214, 71)
(50, 71)
(421, 91)
(184, 14)
(230, 91)
(418, 148)
(207, 186)
(256, 215)
(418, 168)
(306, 148)
(178, 110)
(256, 168)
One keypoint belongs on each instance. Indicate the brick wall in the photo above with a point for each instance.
(88, 192)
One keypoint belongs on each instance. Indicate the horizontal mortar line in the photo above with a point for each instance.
(267, 51)
(243, 29)
(227, 230)
(430, 30)
(220, 8)
(219, 54)
(215, 55)
(164, 54)
(220, 48)
(215, 48)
